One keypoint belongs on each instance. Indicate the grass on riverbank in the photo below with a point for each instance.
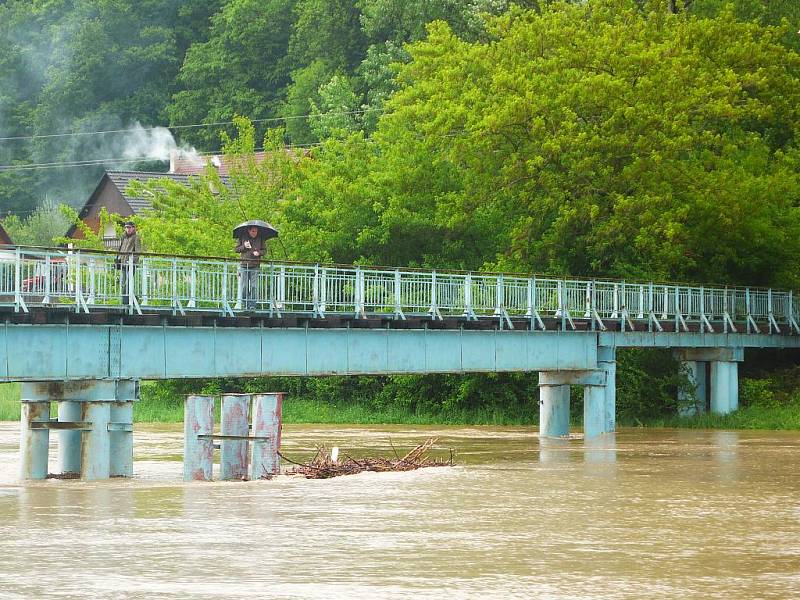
(749, 417)
(299, 410)
(9, 401)
(295, 410)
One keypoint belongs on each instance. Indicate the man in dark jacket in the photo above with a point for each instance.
(250, 249)
(129, 248)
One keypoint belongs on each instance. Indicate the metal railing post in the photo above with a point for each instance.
(398, 306)
(193, 286)
(47, 279)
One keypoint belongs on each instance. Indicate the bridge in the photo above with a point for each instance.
(67, 336)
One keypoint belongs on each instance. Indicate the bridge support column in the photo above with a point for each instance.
(96, 450)
(198, 429)
(121, 429)
(233, 453)
(94, 423)
(596, 396)
(689, 405)
(723, 383)
(553, 411)
(267, 419)
(69, 441)
(724, 387)
(607, 362)
(34, 439)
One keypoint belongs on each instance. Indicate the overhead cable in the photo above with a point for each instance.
(190, 126)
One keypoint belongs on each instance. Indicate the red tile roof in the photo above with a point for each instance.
(194, 164)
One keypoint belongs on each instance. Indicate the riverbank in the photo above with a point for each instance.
(770, 403)
(158, 409)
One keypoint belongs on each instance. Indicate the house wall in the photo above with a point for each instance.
(105, 196)
(4, 239)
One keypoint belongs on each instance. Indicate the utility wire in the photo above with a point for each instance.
(190, 126)
(76, 163)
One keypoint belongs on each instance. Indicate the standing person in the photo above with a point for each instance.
(251, 249)
(129, 246)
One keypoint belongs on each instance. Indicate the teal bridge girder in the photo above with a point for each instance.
(68, 351)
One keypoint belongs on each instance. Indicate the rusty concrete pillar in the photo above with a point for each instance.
(121, 429)
(69, 440)
(554, 411)
(267, 420)
(96, 449)
(234, 422)
(34, 438)
(198, 429)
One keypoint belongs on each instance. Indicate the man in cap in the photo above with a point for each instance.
(129, 248)
(251, 250)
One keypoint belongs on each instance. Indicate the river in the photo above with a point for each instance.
(655, 514)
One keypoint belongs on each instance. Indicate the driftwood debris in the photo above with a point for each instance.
(322, 466)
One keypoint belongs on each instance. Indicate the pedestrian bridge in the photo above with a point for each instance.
(66, 333)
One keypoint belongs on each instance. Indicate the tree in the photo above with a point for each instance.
(243, 68)
(600, 139)
(199, 218)
(41, 228)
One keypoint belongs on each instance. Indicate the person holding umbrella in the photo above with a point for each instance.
(252, 237)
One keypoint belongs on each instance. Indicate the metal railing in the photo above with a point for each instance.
(86, 281)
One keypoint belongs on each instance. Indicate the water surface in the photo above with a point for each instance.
(655, 514)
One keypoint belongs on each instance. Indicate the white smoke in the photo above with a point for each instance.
(155, 143)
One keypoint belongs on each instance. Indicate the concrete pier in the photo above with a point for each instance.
(69, 440)
(94, 424)
(724, 387)
(96, 447)
(696, 404)
(121, 440)
(233, 452)
(599, 400)
(267, 419)
(34, 441)
(198, 429)
(594, 411)
(723, 380)
(553, 411)
(121, 429)
(607, 362)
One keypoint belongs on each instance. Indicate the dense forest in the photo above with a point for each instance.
(640, 139)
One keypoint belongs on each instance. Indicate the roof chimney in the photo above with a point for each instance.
(173, 158)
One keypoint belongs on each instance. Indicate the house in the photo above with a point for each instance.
(113, 195)
(4, 239)
(195, 164)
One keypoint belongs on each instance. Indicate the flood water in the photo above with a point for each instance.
(656, 514)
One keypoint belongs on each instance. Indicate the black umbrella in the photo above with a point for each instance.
(266, 230)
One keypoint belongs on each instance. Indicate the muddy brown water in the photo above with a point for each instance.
(655, 514)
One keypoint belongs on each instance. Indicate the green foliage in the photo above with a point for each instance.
(335, 115)
(91, 239)
(243, 68)
(779, 389)
(645, 139)
(647, 385)
(601, 140)
(9, 401)
(198, 219)
(41, 228)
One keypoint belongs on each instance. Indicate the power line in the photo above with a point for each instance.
(76, 163)
(190, 126)
(102, 161)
